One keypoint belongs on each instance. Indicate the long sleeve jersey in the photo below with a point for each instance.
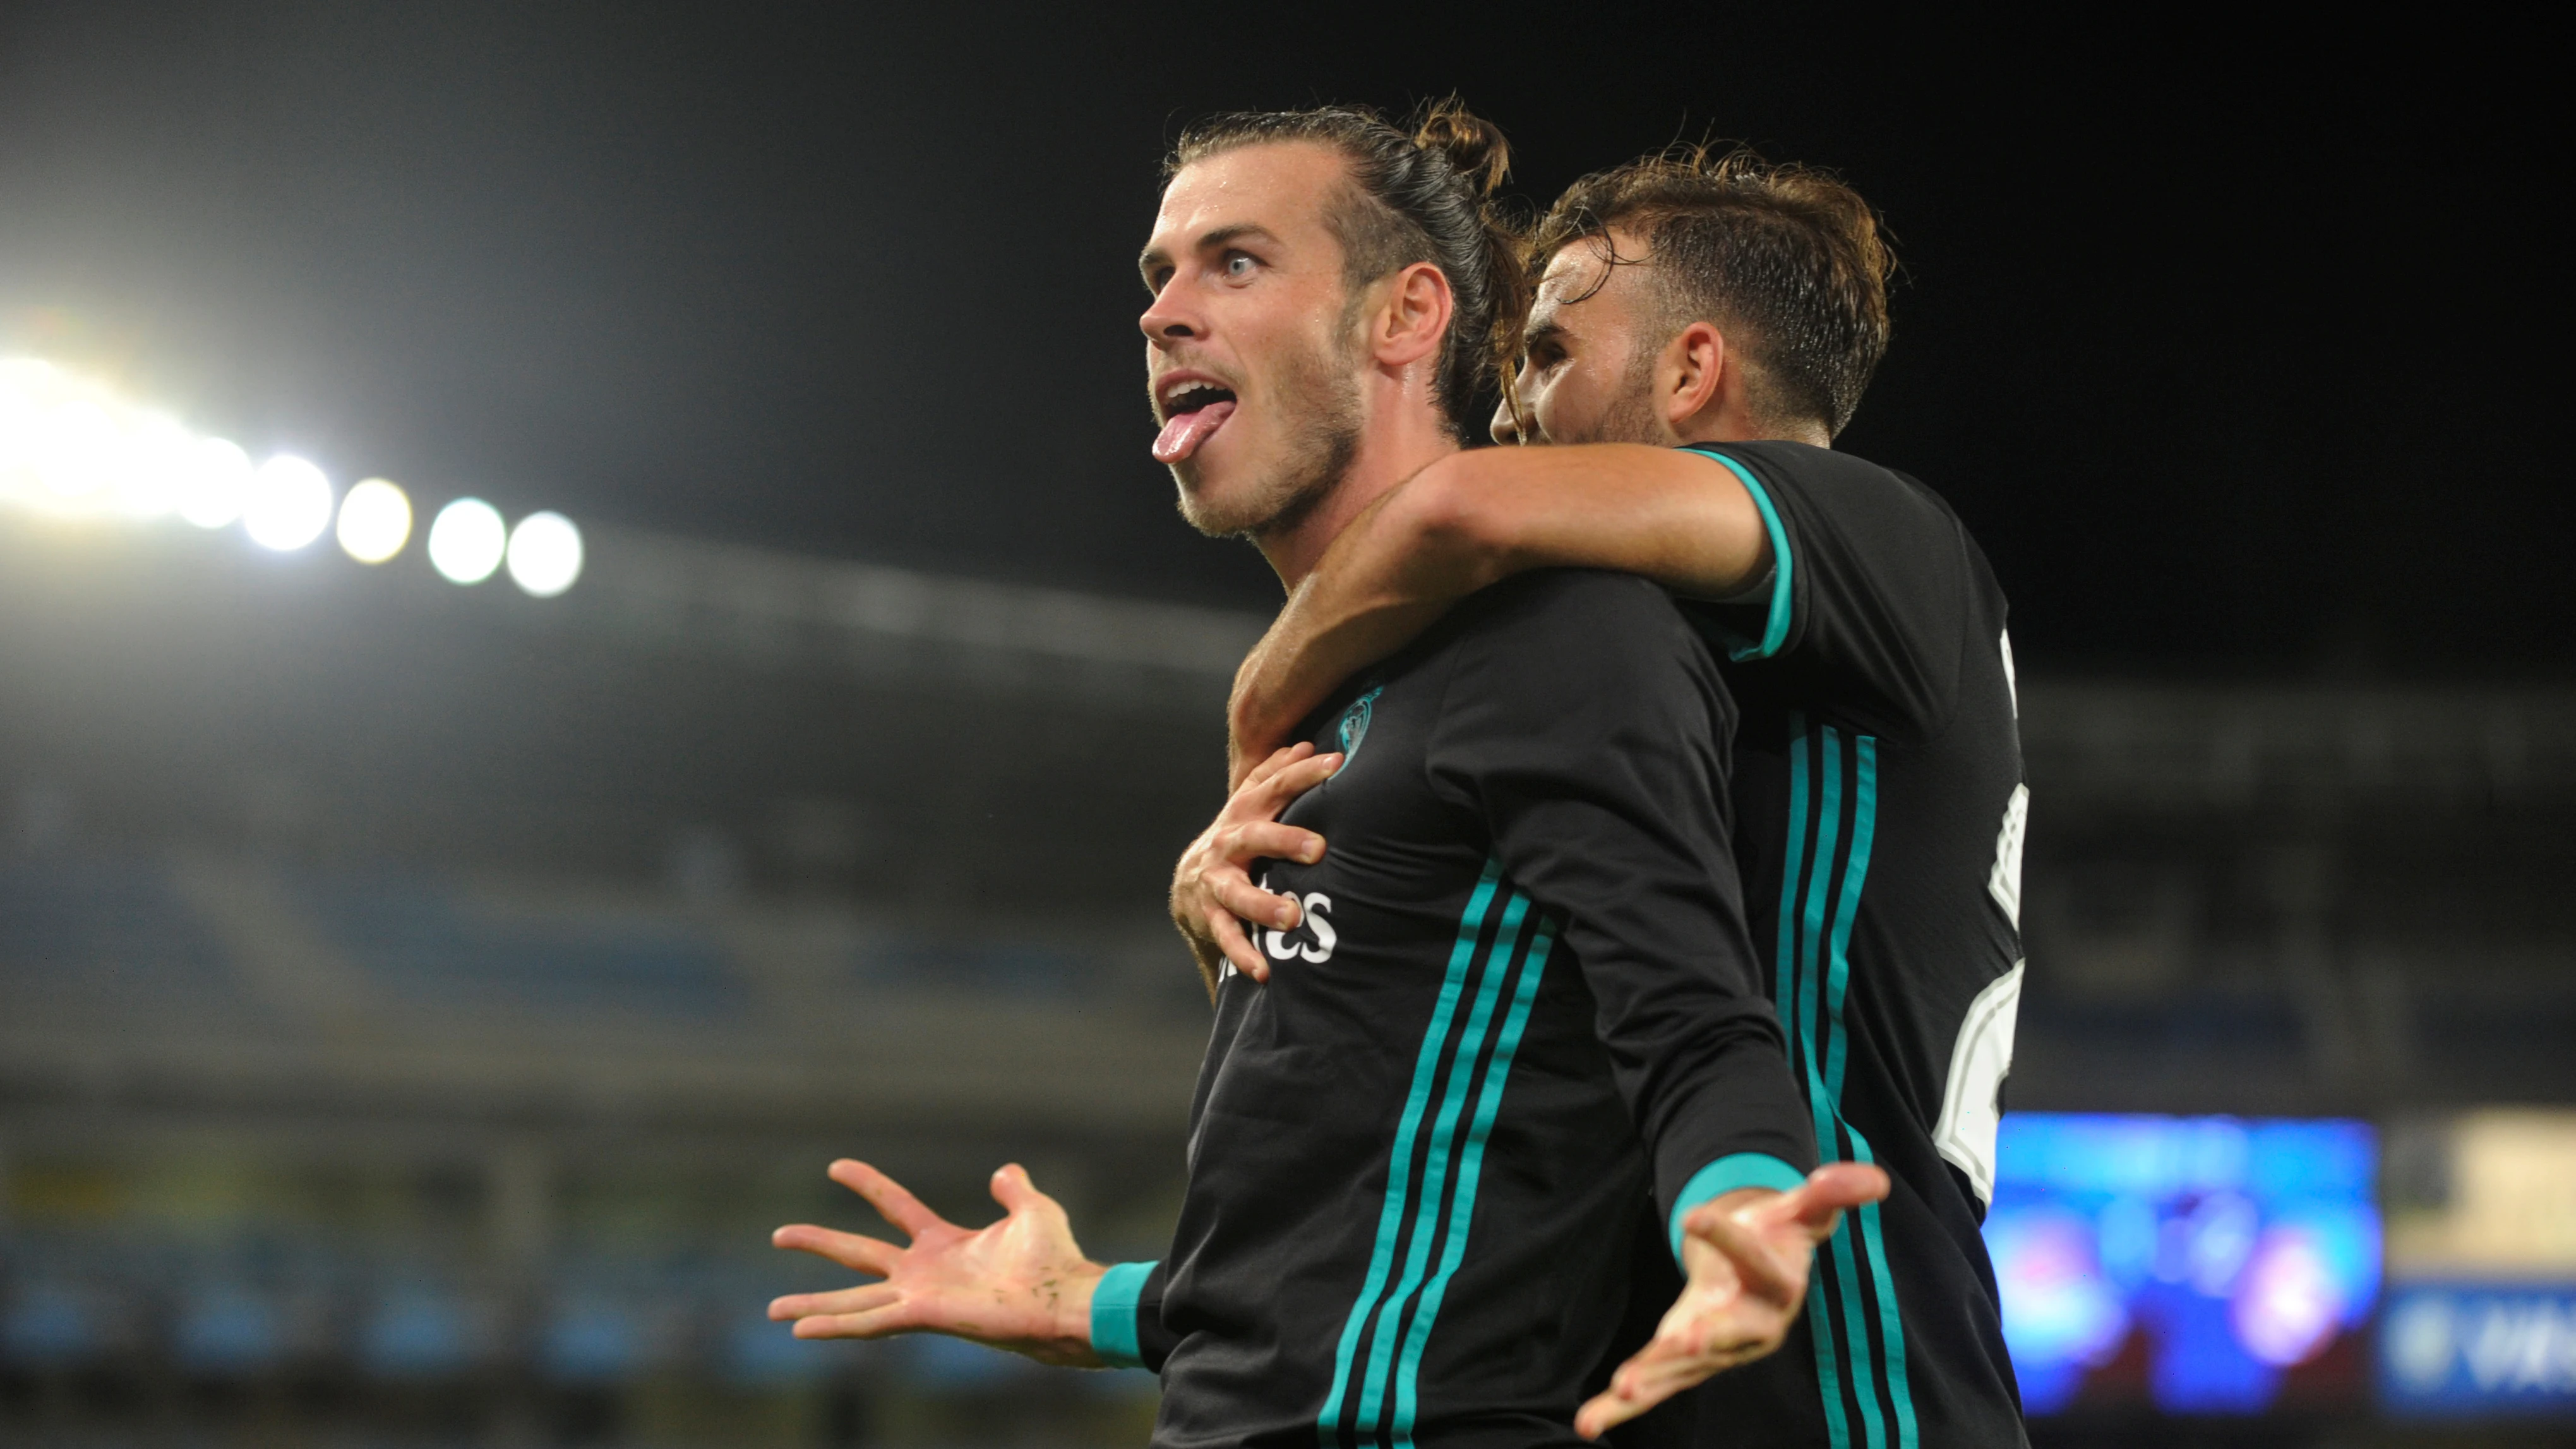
(1522, 1004)
(1878, 779)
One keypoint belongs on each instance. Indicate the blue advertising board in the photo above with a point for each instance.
(2201, 1265)
(2478, 1350)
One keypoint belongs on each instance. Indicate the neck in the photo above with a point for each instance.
(1398, 441)
(1737, 429)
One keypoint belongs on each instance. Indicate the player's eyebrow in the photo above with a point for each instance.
(1547, 330)
(1153, 257)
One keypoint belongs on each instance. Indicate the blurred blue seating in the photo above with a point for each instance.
(592, 1338)
(420, 1331)
(427, 945)
(111, 928)
(52, 1325)
(229, 1330)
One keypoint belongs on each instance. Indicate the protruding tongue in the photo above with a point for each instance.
(1183, 434)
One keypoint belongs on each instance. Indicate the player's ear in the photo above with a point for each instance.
(1693, 371)
(1415, 317)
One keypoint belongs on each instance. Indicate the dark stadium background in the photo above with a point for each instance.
(362, 938)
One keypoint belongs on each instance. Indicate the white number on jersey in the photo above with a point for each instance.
(1979, 1062)
(2004, 881)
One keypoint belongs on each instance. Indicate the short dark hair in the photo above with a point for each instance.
(1789, 259)
(1422, 193)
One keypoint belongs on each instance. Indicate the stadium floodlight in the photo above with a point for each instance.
(70, 447)
(545, 554)
(215, 481)
(466, 541)
(289, 504)
(151, 464)
(375, 520)
(23, 382)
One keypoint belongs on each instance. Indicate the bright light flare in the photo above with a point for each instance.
(466, 541)
(289, 504)
(149, 467)
(71, 448)
(375, 520)
(214, 482)
(545, 554)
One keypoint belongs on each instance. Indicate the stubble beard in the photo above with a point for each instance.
(1320, 390)
(1630, 418)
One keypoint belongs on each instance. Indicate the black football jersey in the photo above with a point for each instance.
(1877, 783)
(1522, 1006)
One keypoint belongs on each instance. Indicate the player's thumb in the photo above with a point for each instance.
(1015, 1192)
(1819, 1202)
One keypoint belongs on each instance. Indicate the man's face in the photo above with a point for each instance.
(1252, 365)
(1593, 341)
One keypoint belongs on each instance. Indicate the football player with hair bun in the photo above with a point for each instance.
(1514, 1106)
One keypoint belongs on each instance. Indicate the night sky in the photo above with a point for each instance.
(2239, 351)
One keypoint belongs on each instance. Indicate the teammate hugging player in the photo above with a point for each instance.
(1727, 316)
(1419, 1163)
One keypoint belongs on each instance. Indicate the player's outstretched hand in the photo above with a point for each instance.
(1020, 1284)
(1212, 890)
(1747, 1255)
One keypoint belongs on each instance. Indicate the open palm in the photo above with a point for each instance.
(1020, 1284)
(1746, 1257)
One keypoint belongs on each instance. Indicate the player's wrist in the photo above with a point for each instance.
(1451, 539)
(1072, 1292)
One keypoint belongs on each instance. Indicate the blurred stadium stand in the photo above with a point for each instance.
(421, 1002)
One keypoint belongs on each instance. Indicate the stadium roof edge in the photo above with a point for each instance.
(766, 597)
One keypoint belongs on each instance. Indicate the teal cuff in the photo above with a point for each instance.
(1725, 1175)
(1775, 627)
(1113, 1314)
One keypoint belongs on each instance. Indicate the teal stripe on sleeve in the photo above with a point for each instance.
(1873, 1237)
(1775, 628)
(1868, 1229)
(1471, 1167)
(1847, 908)
(1816, 1023)
(1811, 931)
(1793, 869)
(1725, 1175)
(1440, 1157)
(1390, 1225)
(1113, 1314)
(1798, 875)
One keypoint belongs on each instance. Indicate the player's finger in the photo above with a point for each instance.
(1237, 947)
(1828, 1192)
(1269, 840)
(880, 1323)
(1604, 1412)
(850, 1250)
(1295, 779)
(1235, 894)
(887, 1196)
(1277, 761)
(1654, 1375)
(862, 1299)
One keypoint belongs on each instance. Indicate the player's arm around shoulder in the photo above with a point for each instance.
(1672, 515)
(1473, 519)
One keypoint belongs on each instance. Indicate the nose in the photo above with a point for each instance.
(1505, 427)
(1170, 319)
